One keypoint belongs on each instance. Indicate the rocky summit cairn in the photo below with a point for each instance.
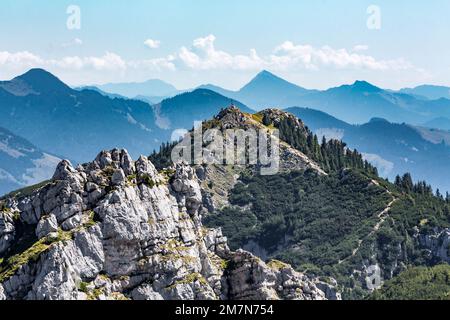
(118, 229)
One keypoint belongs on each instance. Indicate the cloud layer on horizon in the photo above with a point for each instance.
(203, 55)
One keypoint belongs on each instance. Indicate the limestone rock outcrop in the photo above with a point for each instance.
(119, 229)
(437, 242)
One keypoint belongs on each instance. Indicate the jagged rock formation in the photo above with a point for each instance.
(118, 229)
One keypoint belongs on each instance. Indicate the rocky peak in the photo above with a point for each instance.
(231, 117)
(116, 228)
(275, 117)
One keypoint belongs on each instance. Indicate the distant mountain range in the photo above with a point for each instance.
(22, 163)
(149, 88)
(393, 148)
(355, 103)
(428, 92)
(75, 124)
(441, 123)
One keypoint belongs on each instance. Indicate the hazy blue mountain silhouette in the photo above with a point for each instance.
(429, 92)
(361, 101)
(149, 88)
(441, 123)
(76, 124)
(104, 93)
(79, 123)
(355, 103)
(22, 163)
(201, 104)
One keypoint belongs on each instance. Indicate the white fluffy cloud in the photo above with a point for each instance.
(19, 59)
(156, 64)
(107, 62)
(290, 55)
(152, 44)
(203, 55)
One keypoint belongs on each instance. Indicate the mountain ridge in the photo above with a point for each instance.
(394, 148)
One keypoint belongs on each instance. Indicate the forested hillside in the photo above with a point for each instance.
(336, 224)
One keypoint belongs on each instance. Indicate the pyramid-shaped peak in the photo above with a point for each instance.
(266, 75)
(42, 81)
(364, 85)
(266, 80)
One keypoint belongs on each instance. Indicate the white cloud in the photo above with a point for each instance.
(73, 43)
(109, 61)
(19, 59)
(156, 64)
(360, 47)
(305, 56)
(203, 55)
(152, 44)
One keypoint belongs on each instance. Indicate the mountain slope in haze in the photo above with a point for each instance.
(428, 92)
(439, 123)
(153, 87)
(148, 99)
(21, 163)
(181, 111)
(393, 148)
(361, 101)
(104, 93)
(435, 136)
(76, 124)
(222, 91)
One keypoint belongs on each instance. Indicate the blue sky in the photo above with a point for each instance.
(316, 44)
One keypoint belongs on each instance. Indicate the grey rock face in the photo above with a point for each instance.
(7, 231)
(249, 278)
(2, 293)
(46, 226)
(329, 290)
(438, 242)
(145, 292)
(118, 177)
(117, 229)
